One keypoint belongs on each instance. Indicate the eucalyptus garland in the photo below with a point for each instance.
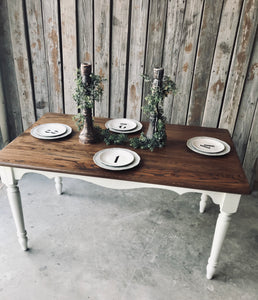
(154, 109)
(155, 99)
(114, 138)
(157, 141)
(86, 95)
(111, 138)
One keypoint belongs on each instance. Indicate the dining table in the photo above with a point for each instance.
(175, 167)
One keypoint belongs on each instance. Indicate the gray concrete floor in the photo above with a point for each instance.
(145, 244)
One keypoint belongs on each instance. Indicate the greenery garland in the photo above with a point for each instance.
(154, 109)
(157, 141)
(86, 95)
(113, 138)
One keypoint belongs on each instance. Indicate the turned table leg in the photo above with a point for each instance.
(59, 185)
(16, 207)
(228, 206)
(218, 239)
(14, 198)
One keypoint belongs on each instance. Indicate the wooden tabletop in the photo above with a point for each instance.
(173, 165)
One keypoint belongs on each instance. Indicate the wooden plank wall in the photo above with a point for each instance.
(208, 47)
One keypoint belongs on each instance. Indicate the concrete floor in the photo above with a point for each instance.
(95, 243)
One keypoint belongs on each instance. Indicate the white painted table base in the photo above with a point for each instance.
(228, 204)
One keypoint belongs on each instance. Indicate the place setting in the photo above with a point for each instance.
(51, 131)
(208, 146)
(116, 159)
(123, 125)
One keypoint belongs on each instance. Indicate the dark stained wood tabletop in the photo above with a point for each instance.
(173, 165)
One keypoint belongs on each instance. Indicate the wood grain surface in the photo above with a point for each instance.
(50, 13)
(139, 17)
(21, 62)
(221, 61)
(38, 56)
(186, 60)
(102, 37)
(173, 165)
(239, 64)
(69, 44)
(203, 61)
(119, 58)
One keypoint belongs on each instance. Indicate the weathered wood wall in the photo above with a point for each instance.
(208, 47)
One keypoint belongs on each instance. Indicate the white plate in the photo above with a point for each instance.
(137, 128)
(223, 152)
(122, 124)
(135, 162)
(207, 144)
(116, 157)
(50, 129)
(34, 133)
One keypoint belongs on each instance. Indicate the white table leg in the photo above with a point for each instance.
(15, 204)
(59, 185)
(219, 236)
(203, 202)
(228, 206)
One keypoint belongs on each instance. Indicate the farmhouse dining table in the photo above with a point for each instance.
(174, 167)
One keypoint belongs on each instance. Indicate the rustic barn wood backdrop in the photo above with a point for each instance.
(208, 47)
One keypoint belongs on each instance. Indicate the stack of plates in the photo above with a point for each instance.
(50, 131)
(123, 125)
(116, 159)
(208, 146)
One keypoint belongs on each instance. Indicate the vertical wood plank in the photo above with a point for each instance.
(221, 61)
(139, 17)
(101, 51)
(248, 103)
(186, 60)
(38, 56)
(155, 39)
(53, 57)
(10, 87)
(4, 136)
(69, 50)
(119, 55)
(239, 64)
(204, 58)
(172, 46)
(1, 140)
(20, 55)
(251, 154)
(85, 31)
